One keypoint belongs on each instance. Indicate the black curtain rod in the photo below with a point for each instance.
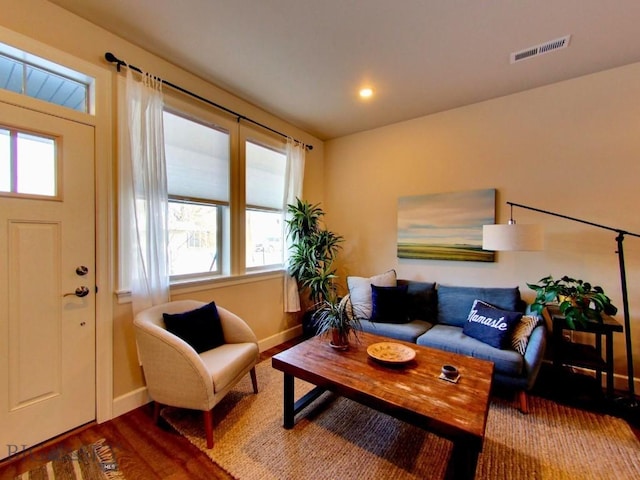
(110, 57)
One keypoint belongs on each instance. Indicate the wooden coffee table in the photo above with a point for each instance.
(411, 392)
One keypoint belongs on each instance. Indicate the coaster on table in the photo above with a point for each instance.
(452, 380)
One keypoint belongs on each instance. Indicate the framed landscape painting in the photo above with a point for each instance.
(446, 226)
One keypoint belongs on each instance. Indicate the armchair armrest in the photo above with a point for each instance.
(234, 328)
(175, 373)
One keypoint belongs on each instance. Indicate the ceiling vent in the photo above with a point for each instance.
(541, 49)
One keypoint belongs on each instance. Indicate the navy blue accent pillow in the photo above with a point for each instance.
(200, 328)
(421, 300)
(455, 302)
(491, 325)
(389, 304)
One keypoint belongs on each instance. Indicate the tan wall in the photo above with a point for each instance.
(571, 147)
(259, 301)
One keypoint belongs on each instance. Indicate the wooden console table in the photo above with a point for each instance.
(583, 355)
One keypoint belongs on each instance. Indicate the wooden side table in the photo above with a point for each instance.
(584, 355)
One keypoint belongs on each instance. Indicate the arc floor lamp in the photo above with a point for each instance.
(529, 237)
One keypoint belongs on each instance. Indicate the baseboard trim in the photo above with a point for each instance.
(130, 401)
(620, 382)
(139, 397)
(279, 338)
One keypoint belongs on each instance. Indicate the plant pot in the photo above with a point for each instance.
(339, 341)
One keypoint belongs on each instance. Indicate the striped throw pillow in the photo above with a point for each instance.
(522, 332)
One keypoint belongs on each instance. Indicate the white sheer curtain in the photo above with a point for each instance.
(293, 190)
(143, 184)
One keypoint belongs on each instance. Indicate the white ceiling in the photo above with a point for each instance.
(305, 60)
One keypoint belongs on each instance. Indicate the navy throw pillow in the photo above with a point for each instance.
(491, 325)
(200, 328)
(390, 304)
(421, 300)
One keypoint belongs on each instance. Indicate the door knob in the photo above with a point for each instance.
(82, 270)
(80, 292)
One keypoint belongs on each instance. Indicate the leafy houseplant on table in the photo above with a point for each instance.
(312, 253)
(331, 317)
(578, 301)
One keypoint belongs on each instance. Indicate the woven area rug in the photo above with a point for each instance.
(336, 438)
(91, 462)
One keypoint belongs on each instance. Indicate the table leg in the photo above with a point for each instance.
(557, 345)
(599, 352)
(288, 401)
(463, 461)
(609, 345)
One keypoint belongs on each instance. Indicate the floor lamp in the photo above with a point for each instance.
(529, 237)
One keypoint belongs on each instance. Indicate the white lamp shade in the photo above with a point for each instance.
(514, 237)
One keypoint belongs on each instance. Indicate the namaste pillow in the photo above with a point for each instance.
(490, 325)
(200, 328)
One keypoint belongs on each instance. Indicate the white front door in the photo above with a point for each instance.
(47, 254)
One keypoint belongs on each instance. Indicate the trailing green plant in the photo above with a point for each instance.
(578, 301)
(313, 250)
(332, 316)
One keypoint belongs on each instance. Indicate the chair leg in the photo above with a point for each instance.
(254, 380)
(524, 402)
(156, 412)
(208, 427)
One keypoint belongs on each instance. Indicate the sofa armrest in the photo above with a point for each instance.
(534, 354)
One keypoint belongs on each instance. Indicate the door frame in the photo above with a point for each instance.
(101, 119)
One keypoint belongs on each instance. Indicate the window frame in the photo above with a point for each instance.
(183, 277)
(14, 159)
(26, 60)
(191, 111)
(232, 217)
(279, 145)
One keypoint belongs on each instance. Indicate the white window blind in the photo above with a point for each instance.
(265, 176)
(197, 158)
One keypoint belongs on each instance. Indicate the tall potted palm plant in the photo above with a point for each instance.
(312, 254)
(313, 250)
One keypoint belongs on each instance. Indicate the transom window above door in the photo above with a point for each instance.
(33, 76)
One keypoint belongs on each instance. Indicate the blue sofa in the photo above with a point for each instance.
(435, 317)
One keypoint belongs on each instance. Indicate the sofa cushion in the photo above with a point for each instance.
(421, 300)
(522, 332)
(452, 339)
(491, 325)
(389, 304)
(200, 328)
(407, 332)
(360, 291)
(454, 303)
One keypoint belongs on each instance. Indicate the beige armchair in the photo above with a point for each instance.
(178, 376)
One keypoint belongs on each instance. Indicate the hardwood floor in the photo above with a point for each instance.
(143, 449)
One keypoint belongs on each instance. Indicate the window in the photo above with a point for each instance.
(36, 77)
(197, 158)
(225, 186)
(28, 163)
(265, 180)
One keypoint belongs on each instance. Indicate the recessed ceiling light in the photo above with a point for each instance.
(366, 92)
